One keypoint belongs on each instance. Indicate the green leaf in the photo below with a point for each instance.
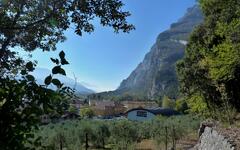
(64, 88)
(30, 78)
(62, 71)
(56, 61)
(48, 80)
(62, 55)
(53, 22)
(58, 70)
(29, 66)
(56, 82)
(23, 72)
(64, 62)
(4, 2)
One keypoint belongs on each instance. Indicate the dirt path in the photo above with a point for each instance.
(146, 145)
(183, 144)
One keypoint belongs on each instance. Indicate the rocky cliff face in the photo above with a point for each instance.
(155, 75)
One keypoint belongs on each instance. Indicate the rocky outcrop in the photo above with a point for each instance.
(215, 138)
(156, 75)
(212, 140)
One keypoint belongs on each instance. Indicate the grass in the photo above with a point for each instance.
(185, 143)
(146, 144)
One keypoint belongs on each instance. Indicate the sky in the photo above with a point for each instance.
(102, 59)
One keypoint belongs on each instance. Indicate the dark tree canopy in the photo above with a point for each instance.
(40, 24)
(33, 24)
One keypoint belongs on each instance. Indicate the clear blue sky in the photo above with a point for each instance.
(103, 59)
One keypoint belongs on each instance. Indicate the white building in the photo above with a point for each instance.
(142, 114)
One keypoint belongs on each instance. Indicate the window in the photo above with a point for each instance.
(141, 113)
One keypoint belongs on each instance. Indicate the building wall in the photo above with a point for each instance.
(136, 104)
(108, 110)
(134, 115)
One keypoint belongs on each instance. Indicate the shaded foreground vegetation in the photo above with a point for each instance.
(29, 25)
(118, 134)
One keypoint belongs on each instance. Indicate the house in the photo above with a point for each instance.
(108, 108)
(143, 114)
(135, 104)
(79, 103)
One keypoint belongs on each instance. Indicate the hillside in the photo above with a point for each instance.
(156, 75)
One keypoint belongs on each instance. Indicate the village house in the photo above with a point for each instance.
(136, 104)
(108, 108)
(79, 103)
(143, 114)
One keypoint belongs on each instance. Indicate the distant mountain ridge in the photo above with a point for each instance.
(41, 73)
(156, 75)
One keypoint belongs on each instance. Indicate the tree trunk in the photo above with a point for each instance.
(86, 144)
(103, 143)
(61, 144)
(166, 140)
(174, 139)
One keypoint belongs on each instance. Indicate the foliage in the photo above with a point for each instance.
(227, 112)
(168, 131)
(181, 105)
(23, 101)
(212, 58)
(86, 113)
(116, 134)
(30, 25)
(197, 105)
(158, 101)
(102, 134)
(86, 134)
(168, 103)
(58, 140)
(73, 109)
(40, 24)
(120, 134)
(124, 134)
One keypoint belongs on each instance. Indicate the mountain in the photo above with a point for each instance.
(156, 75)
(41, 73)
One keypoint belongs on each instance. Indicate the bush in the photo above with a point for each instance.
(86, 113)
(181, 105)
(123, 134)
(168, 103)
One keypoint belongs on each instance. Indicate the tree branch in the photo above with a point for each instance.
(8, 40)
(31, 25)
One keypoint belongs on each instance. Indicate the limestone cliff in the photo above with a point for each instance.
(156, 75)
